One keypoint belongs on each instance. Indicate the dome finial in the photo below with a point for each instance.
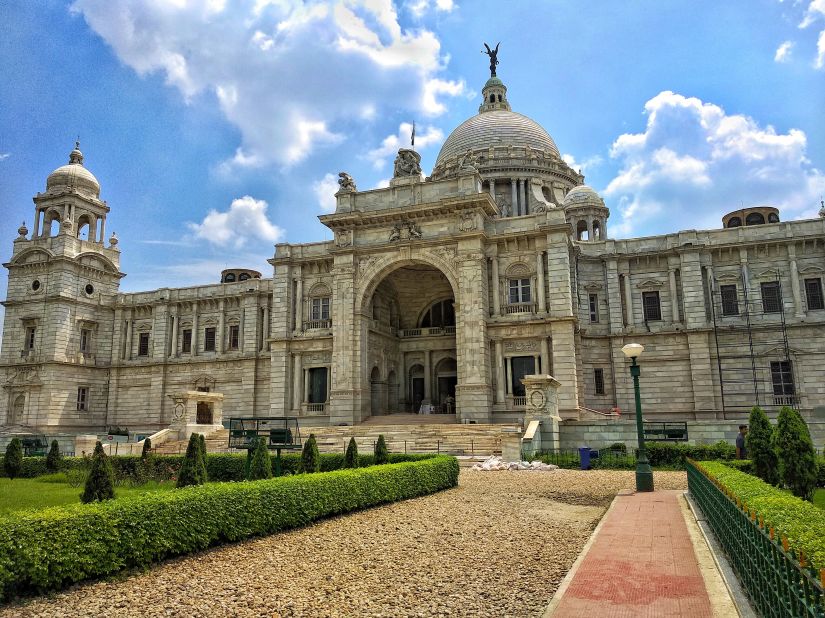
(75, 156)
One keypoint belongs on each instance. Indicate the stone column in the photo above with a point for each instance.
(499, 372)
(221, 324)
(297, 382)
(299, 305)
(674, 295)
(265, 327)
(521, 208)
(102, 230)
(194, 329)
(614, 297)
(348, 378)
(526, 206)
(540, 294)
(628, 297)
(173, 350)
(496, 287)
(305, 393)
(427, 377)
(242, 329)
(37, 217)
(130, 323)
(493, 189)
(514, 207)
(746, 279)
(508, 384)
(92, 236)
(564, 366)
(542, 396)
(545, 355)
(799, 310)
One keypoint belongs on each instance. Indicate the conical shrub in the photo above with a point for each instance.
(382, 455)
(13, 460)
(795, 452)
(202, 450)
(100, 484)
(147, 448)
(351, 456)
(190, 470)
(261, 465)
(310, 457)
(759, 442)
(54, 460)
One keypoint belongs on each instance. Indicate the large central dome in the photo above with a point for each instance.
(496, 128)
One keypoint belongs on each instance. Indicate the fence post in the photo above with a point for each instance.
(472, 448)
(438, 446)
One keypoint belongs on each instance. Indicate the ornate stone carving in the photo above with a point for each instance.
(468, 162)
(343, 238)
(346, 183)
(467, 222)
(406, 230)
(366, 262)
(407, 163)
(530, 345)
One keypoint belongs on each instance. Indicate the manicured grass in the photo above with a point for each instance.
(54, 490)
(819, 498)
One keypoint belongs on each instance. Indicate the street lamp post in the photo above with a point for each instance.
(644, 474)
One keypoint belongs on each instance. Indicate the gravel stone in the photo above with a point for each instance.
(498, 545)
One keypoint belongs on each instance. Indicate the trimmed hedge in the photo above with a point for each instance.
(801, 522)
(55, 547)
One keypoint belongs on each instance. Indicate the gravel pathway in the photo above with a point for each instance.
(498, 545)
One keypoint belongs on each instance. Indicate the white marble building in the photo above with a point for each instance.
(439, 292)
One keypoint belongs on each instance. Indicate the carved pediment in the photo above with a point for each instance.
(23, 376)
(811, 269)
(592, 286)
(728, 277)
(770, 274)
(649, 284)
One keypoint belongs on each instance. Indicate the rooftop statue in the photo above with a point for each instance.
(493, 53)
(346, 182)
(407, 163)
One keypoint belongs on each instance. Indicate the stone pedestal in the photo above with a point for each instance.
(543, 406)
(196, 412)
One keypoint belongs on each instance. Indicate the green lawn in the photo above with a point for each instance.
(54, 490)
(819, 498)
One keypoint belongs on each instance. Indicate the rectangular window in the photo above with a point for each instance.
(234, 336)
(28, 344)
(143, 344)
(594, 308)
(813, 293)
(598, 375)
(771, 297)
(186, 342)
(520, 367)
(320, 309)
(83, 398)
(85, 340)
(519, 291)
(209, 339)
(317, 385)
(730, 300)
(652, 307)
(782, 378)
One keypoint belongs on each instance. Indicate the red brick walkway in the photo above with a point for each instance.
(641, 564)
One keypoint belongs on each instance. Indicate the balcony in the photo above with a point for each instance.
(519, 308)
(318, 324)
(436, 331)
(518, 401)
(315, 408)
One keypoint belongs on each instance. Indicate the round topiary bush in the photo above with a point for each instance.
(100, 484)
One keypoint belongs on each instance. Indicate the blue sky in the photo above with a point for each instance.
(216, 128)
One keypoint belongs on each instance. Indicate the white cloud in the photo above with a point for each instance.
(819, 63)
(325, 190)
(289, 75)
(582, 166)
(4, 155)
(424, 137)
(420, 7)
(783, 52)
(694, 162)
(245, 220)
(814, 12)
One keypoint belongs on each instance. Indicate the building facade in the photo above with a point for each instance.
(437, 294)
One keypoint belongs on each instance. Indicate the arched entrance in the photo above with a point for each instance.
(416, 392)
(392, 392)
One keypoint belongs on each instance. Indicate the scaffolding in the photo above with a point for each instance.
(752, 352)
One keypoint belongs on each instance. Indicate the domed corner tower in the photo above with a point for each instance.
(586, 213)
(517, 159)
(62, 291)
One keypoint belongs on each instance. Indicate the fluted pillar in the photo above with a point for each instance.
(521, 209)
(514, 191)
(525, 208)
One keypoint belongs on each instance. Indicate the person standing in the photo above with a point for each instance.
(741, 450)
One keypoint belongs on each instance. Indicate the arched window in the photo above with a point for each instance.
(51, 224)
(492, 98)
(439, 315)
(597, 230)
(734, 222)
(499, 98)
(17, 408)
(581, 231)
(755, 218)
(773, 218)
(243, 277)
(84, 225)
(229, 278)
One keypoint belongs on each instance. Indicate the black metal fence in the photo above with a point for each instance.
(779, 584)
(576, 458)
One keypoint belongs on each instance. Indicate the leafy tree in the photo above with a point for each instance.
(190, 470)
(100, 484)
(759, 442)
(13, 461)
(795, 452)
(147, 448)
(54, 460)
(351, 456)
(261, 465)
(310, 457)
(382, 455)
(202, 450)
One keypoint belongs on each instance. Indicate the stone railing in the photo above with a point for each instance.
(315, 408)
(316, 324)
(435, 331)
(519, 308)
(519, 402)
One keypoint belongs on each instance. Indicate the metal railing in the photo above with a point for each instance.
(777, 580)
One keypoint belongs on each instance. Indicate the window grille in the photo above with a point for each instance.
(82, 398)
(519, 291)
(730, 300)
(320, 308)
(782, 378)
(143, 344)
(652, 307)
(771, 297)
(186, 344)
(594, 308)
(209, 339)
(813, 294)
(234, 336)
(31, 331)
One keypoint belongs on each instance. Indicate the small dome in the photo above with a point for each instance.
(582, 196)
(74, 175)
(496, 128)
